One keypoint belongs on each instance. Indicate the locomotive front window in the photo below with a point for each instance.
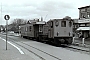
(63, 23)
(56, 23)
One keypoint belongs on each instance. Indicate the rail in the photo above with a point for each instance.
(42, 58)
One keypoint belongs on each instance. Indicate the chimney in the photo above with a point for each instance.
(41, 18)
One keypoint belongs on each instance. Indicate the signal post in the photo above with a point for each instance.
(6, 17)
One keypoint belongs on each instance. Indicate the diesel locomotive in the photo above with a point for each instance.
(57, 31)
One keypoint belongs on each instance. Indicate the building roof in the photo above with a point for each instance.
(84, 7)
(40, 22)
(83, 28)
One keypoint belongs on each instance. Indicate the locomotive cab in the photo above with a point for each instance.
(60, 31)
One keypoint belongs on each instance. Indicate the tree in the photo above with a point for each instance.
(2, 28)
(14, 26)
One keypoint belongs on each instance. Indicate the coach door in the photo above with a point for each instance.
(50, 34)
(36, 30)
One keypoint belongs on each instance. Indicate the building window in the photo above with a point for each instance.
(63, 23)
(76, 26)
(88, 15)
(88, 25)
(83, 15)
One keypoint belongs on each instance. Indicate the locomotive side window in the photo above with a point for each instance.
(51, 24)
(30, 28)
(70, 23)
(63, 23)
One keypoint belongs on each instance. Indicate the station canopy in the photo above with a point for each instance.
(83, 28)
(84, 21)
(40, 22)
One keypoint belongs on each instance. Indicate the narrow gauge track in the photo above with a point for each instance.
(63, 46)
(29, 50)
(34, 48)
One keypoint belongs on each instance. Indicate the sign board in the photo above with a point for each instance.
(84, 21)
(6, 17)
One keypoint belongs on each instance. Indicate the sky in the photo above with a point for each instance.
(48, 9)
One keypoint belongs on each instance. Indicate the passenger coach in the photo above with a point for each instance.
(32, 30)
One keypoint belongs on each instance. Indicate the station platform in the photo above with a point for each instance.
(80, 44)
(79, 40)
(11, 53)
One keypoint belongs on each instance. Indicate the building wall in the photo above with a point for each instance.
(83, 21)
(84, 12)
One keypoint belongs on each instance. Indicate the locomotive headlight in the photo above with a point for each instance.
(70, 33)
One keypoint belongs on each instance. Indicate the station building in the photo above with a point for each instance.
(84, 12)
(82, 25)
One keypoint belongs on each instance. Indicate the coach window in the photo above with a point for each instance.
(63, 23)
(30, 28)
(40, 28)
(26, 28)
(88, 15)
(82, 25)
(21, 29)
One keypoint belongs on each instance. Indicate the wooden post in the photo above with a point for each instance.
(83, 41)
(73, 40)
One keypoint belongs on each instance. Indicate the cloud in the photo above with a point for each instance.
(48, 9)
(55, 9)
(54, 5)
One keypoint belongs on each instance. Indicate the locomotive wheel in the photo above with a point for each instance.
(62, 41)
(40, 39)
(22, 36)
